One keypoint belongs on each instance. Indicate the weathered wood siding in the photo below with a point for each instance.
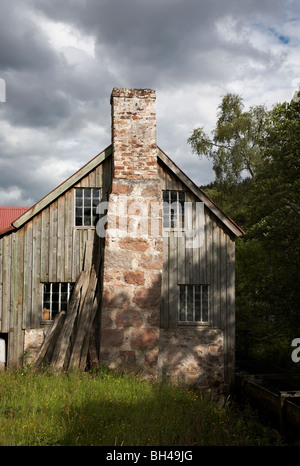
(48, 248)
(212, 264)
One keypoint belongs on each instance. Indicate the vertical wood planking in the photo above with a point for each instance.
(173, 285)
(6, 281)
(230, 314)
(42, 250)
(36, 311)
(1, 283)
(19, 297)
(27, 289)
(68, 230)
(165, 285)
(53, 243)
(13, 280)
(60, 258)
(223, 271)
(45, 245)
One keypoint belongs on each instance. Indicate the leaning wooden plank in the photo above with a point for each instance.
(63, 341)
(50, 338)
(89, 331)
(83, 324)
(88, 255)
(92, 351)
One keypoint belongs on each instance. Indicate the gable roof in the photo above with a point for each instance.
(230, 224)
(8, 215)
(63, 187)
(76, 177)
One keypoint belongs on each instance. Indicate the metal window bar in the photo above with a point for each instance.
(50, 293)
(173, 214)
(184, 303)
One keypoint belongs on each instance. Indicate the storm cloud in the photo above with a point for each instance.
(60, 61)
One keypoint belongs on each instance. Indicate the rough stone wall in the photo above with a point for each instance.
(133, 249)
(192, 356)
(33, 339)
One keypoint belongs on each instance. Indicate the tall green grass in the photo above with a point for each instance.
(115, 409)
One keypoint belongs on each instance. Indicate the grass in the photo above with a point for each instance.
(104, 408)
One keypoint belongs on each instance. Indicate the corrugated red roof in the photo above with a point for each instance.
(9, 215)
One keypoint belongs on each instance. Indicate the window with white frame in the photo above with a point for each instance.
(56, 297)
(193, 303)
(173, 209)
(86, 201)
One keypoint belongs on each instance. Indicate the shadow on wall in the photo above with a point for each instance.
(132, 334)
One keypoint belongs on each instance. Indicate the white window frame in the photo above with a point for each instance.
(91, 206)
(50, 284)
(178, 215)
(193, 321)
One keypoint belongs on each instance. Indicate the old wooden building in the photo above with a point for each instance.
(164, 256)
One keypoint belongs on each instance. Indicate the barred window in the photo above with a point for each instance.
(173, 209)
(56, 297)
(193, 303)
(86, 201)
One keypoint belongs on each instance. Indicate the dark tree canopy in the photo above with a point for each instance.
(266, 204)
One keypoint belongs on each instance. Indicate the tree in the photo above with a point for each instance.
(235, 145)
(267, 206)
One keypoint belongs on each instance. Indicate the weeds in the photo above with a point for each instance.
(107, 408)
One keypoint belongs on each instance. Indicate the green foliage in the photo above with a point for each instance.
(103, 408)
(234, 147)
(267, 207)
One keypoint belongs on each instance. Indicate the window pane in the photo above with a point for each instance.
(78, 221)
(96, 193)
(190, 303)
(87, 217)
(55, 288)
(87, 202)
(55, 306)
(173, 196)
(78, 211)
(198, 303)
(204, 303)
(166, 221)
(173, 211)
(55, 297)
(79, 193)
(79, 202)
(64, 287)
(166, 196)
(95, 217)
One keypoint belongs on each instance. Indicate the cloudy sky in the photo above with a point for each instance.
(59, 61)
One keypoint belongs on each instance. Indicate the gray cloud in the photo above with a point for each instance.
(57, 112)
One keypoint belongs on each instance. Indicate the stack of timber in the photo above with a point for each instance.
(70, 341)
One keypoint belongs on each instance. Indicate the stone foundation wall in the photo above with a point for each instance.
(192, 356)
(33, 339)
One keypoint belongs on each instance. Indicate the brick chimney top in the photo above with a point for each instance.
(131, 93)
(134, 133)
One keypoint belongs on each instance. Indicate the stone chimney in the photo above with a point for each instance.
(132, 268)
(134, 133)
